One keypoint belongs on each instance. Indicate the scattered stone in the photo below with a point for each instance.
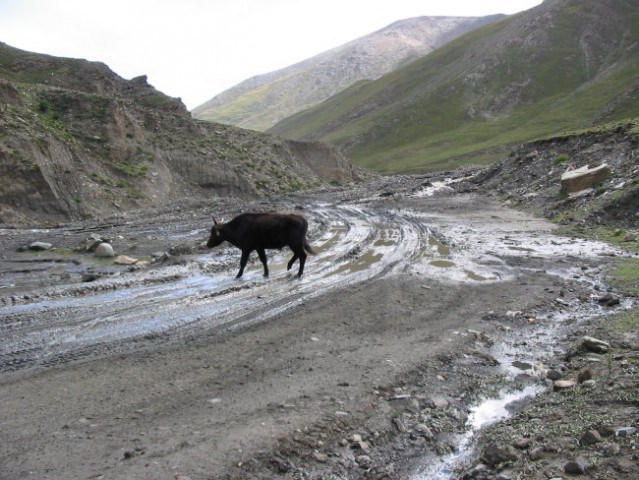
(591, 437)
(404, 403)
(536, 453)
(606, 431)
(89, 277)
(561, 385)
(608, 300)
(493, 454)
(40, 246)
(359, 444)
(91, 244)
(125, 260)
(584, 374)
(522, 365)
(363, 460)
(424, 431)
(629, 237)
(579, 466)
(583, 178)
(104, 250)
(522, 443)
(611, 449)
(320, 457)
(553, 375)
(505, 475)
(439, 402)
(595, 345)
(625, 431)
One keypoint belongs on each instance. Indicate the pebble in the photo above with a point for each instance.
(320, 457)
(576, 467)
(560, 385)
(125, 260)
(536, 453)
(104, 250)
(584, 374)
(553, 375)
(625, 431)
(493, 454)
(591, 437)
(40, 246)
(595, 345)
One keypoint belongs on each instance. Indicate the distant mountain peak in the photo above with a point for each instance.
(262, 101)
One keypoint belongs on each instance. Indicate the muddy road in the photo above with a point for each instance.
(417, 300)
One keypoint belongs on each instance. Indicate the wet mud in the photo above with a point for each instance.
(173, 367)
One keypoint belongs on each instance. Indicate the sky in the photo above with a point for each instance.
(196, 49)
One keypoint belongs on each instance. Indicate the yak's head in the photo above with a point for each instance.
(216, 234)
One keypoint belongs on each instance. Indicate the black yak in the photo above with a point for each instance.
(259, 231)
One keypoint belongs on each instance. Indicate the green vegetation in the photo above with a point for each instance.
(443, 111)
(625, 276)
(130, 189)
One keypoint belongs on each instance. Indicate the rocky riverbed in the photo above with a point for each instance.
(420, 308)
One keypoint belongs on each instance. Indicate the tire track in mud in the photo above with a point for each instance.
(176, 303)
(354, 242)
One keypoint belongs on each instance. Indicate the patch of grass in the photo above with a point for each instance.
(132, 169)
(625, 276)
(627, 322)
(563, 158)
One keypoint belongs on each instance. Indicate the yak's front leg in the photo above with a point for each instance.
(262, 254)
(243, 260)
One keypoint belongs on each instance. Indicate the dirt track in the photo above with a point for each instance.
(413, 308)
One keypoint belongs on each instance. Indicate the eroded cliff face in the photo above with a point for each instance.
(77, 141)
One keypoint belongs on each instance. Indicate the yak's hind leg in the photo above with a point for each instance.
(262, 254)
(292, 261)
(301, 254)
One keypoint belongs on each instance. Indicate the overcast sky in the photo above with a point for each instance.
(195, 49)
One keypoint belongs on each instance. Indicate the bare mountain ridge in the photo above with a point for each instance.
(77, 141)
(261, 101)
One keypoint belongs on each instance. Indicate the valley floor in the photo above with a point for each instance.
(418, 305)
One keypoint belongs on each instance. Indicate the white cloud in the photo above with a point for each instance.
(195, 49)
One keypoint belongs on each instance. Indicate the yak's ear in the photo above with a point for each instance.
(214, 221)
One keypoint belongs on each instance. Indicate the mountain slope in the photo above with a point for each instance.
(77, 141)
(260, 102)
(562, 65)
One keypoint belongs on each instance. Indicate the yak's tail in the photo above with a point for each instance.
(308, 248)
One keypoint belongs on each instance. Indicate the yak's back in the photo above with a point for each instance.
(270, 230)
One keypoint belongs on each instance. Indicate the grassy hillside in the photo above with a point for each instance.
(566, 64)
(260, 102)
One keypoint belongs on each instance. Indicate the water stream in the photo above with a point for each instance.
(485, 413)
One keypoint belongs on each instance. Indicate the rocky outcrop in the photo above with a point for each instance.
(77, 141)
(541, 177)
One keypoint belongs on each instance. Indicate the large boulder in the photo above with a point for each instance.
(584, 178)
